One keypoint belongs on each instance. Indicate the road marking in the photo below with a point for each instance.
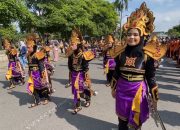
(46, 114)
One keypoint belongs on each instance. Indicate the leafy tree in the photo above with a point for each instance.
(120, 5)
(92, 17)
(13, 10)
(175, 31)
(95, 18)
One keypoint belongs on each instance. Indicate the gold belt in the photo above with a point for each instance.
(131, 77)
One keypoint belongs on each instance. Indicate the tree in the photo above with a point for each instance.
(175, 31)
(120, 5)
(94, 18)
(12, 11)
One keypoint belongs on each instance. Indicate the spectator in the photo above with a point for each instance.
(22, 54)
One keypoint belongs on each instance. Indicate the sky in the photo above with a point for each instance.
(166, 12)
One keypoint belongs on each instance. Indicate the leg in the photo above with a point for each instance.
(111, 72)
(51, 90)
(36, 98)
(122, 124)
(109, 77)
(68, 84)
(77, 107)
(44, 93)
(11, 84)
(87, 95)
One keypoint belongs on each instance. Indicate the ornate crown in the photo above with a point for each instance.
(141, 19)
(109, 39)
(76, 36)
(6, 43)
(30, 39)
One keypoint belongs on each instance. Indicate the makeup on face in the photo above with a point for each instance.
(133, 37)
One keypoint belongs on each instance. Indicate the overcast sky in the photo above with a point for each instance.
(166, 12)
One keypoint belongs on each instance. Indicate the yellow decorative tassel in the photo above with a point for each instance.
(136, 105)
(106, 69)
(76, 85)
(9, 73)
(49, 58)
(31, 82)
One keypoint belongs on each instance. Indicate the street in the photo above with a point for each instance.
(15, 114)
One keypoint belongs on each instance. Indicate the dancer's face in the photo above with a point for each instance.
(74, 46)
(133, 37)
(29, 48)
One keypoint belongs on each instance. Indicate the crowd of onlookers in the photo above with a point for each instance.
(173, 48)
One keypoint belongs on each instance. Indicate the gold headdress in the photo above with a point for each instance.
(141, 19)
(7, 44)
(46, 48)
(30, 40)
(76, 36)
(109, 39)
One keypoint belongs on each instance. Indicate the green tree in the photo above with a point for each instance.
(94, 18)
(175, 31)
(120, 5)
(12, 11)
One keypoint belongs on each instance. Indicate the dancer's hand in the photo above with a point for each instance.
(113, 92)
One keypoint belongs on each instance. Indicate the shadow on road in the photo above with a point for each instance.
(98, 81)
(24, 98)
(172, 73)
(95, 63)
(169, 97)
(61, 81)
(169, 80)
(5, 84)
(168, 62)
(169, 87)
(81, 122)
(171, 118)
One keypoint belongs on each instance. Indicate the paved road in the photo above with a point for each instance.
(15, 114)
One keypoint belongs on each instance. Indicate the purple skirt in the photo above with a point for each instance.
(111, 63)
(77, 79)
(15, 71)
(35, 82)
(131, 102)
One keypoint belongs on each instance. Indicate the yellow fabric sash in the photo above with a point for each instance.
(76, 85)
(9, 73)
(106, 69)
(31, 84)
(136, 105)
